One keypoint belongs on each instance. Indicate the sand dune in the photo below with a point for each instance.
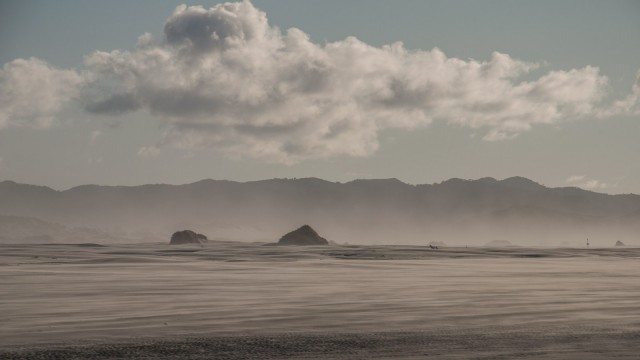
(316, 302)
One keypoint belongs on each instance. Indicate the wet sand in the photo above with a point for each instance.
(236, 301)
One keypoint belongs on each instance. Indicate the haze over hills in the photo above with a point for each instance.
(380, 211)
(20, 229)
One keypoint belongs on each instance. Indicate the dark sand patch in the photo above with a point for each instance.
(490, 343)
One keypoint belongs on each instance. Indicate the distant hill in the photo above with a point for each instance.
(21, 230)
(383, 211)
(26, 229)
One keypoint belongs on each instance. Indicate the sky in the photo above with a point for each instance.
(129, 93)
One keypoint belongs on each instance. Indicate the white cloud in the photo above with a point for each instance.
(32, 92)
(584, 182)
(225, 78)
(575, 178)
(630, 105)
(148, 151)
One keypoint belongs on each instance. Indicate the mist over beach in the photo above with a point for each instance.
(237, 300)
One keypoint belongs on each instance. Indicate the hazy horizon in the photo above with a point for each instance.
(367, 212)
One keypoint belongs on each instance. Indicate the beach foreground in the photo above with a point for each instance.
(488, 343)
(238, 301)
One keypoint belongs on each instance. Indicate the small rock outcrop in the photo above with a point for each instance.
(187, 237)
(305, 235)
(499, 243)
(619, 243)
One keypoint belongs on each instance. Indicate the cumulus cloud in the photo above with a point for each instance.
(223, 77)
(584, 182)
(32, 92)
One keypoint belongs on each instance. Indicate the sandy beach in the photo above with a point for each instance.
(236, 301)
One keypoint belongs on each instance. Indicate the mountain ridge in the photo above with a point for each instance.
(362, 210)
(487, 180)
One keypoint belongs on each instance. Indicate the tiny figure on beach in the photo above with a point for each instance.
(433, 247)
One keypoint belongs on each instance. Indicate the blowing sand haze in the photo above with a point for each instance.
(235, 300)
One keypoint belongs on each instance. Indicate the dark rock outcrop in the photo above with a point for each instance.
(305, 235)
(619, 243)
(437, 244)
(187, 237)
